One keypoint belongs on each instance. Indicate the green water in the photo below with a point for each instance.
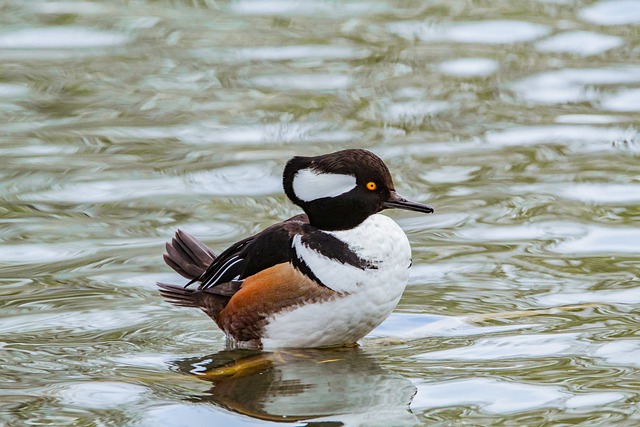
(121, 121)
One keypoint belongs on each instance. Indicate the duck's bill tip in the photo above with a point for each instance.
(398, 202)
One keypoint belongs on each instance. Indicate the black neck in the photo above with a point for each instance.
(336, 214)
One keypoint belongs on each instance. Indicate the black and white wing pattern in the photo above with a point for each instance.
(256, 253)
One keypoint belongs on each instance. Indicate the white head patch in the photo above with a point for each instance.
(309, 184)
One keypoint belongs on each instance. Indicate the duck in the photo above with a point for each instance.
(323, 278)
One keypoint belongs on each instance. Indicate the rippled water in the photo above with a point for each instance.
(518, 121)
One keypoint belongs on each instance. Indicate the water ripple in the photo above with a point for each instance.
(100, 395)
(281, 53)
(8, 90)
(492, 396)
(623, 352)
(65, 8)
(602, 241)
(572, 85)
(627, 100)
(601, 193)
(205, 132)
(516, 120)
(243, 180)
(469, 67)
(60, 38)
(580, 43)
(484, 32)
(522, 346)
(612, 12)
(40, 253)
(324, 8)
(303, 82)
(411, 111)
(414, 326)
(611, 296)
(592, 138)
(91, 321)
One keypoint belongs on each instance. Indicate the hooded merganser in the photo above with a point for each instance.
(323, 278)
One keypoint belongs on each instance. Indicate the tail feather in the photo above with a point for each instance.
(187, 256)
(208, 302)
(190, 258)
(178, 295)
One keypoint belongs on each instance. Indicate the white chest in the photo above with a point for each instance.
(368, 295)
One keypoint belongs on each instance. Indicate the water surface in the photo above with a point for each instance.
(518, 121)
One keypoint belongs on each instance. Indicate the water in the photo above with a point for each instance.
(518, 121)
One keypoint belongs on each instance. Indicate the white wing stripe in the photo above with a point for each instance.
(226, 266)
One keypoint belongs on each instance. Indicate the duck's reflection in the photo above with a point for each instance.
(293, 385)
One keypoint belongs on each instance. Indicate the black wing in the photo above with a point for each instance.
(253, 254)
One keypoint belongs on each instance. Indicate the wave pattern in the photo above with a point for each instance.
(518, 121)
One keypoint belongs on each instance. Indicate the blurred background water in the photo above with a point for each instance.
(121, 121)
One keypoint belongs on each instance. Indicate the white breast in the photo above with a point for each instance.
(369, 295)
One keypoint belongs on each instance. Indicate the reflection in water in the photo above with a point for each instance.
(580, 43)
(295, 385)
(489, 32)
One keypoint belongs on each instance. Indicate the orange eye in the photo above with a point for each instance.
(371, 186)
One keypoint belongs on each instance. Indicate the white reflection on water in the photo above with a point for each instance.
(400, 112)
(626, 100)
(611, 296)
(411, 326)
(484, 32)
(522, 232)
(324, 8)
(310, 82)
(612, 12)
(587, 119)
(41, 252)
(245, 179)
(601, 193)
(434, 273)
(492, 396)
(110, 191)
(280, 53)
(520, 346)
(602, 241)
(622, 352)
(100, 394)
(60, 38)
(572, 85)
(206, 132)
(68, 7)
(469, 67)
(619, 194)
(593, 399)
(588, 137)
(579, 43)
(8, 90)
(144, 359)
(30, 153)
(90, 320)
(175, 414)
(275, 133)
(242, 180)
(495, 396)
(449, 174)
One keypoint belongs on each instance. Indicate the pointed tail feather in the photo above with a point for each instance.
(209, 302)
(190, 258)
(187, 256)
(177, 295)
